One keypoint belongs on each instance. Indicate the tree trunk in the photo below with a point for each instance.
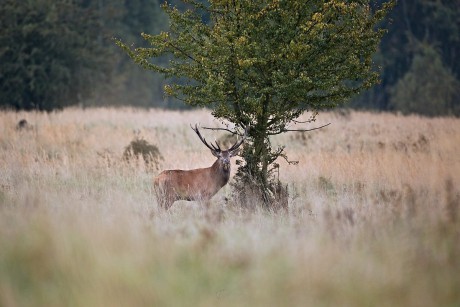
(255, 182)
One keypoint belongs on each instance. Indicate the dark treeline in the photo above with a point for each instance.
(420, 61)
(56, 53)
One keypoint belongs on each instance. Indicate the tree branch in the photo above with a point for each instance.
(297, 130)
(182, 52)
(221, 129)
(303, 121)
(246, 130)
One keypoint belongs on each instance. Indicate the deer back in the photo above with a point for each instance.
(196, 184)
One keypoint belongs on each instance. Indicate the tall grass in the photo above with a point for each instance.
(373, 216)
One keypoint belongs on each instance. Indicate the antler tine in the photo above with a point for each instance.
(211, 147)
(238, 143)
(217, 144)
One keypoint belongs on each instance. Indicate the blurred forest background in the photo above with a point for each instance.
(57, 53)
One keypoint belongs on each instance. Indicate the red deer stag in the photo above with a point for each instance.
(196, 184)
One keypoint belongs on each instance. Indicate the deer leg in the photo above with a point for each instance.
(158, 195)
(166, 199)
(163, 196)
(168, 203)
(165, 202)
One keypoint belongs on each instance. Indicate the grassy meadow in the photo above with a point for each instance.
(373, 220)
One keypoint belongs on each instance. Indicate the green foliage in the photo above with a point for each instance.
(411, 24)
(131, 84)
(56, 53)
(264, 63)
(428, 88)
(47, 58)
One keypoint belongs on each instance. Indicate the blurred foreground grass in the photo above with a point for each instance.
(374, 216)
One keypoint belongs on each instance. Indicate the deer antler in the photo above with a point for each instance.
(211, 147)
(238, 143)
(217, 148)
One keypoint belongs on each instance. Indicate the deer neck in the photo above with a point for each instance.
(222, 176)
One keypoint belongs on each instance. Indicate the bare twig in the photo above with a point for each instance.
(228, 130)
(304, 121)
(299, 130)
(310, 120)
(222, 129)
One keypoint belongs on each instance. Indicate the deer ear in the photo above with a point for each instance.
(215, 153)
(234, 152)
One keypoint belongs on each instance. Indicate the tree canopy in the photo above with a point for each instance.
(261, 64)
(58, 53)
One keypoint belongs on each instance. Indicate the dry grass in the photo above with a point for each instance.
(373, 220)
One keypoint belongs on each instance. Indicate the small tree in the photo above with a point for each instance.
(264, 63)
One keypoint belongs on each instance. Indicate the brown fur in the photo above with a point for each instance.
(197, 184)
(193, 185)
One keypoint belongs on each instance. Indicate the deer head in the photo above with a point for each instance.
(223, 156)
(196, 184)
